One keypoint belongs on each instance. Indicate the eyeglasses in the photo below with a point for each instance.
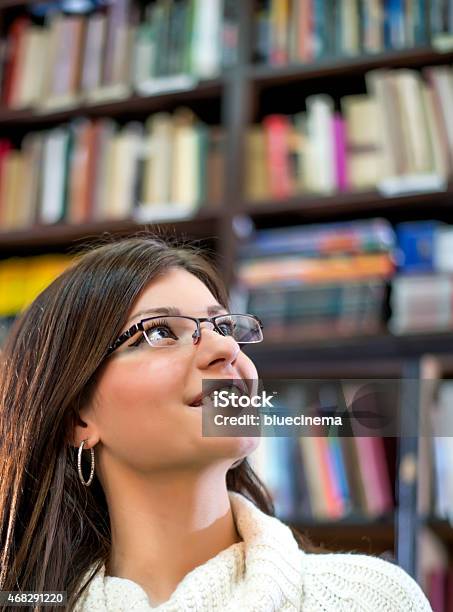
(177, 330)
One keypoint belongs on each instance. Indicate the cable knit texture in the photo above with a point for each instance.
(267, 572)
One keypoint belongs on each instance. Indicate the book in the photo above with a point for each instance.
(52, 207)
(363, 149)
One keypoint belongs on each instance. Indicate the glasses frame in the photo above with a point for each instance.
(137, 327)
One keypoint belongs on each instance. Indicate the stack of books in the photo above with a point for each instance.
(51, 60)
(301, 31)
(398, 138)
(422, 291)
(323, 477)
(97, 170)
(315, 281)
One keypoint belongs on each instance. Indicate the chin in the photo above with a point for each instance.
(220, 449)
(236, 447)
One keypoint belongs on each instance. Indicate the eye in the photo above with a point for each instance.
(159, 333)
(227, 327)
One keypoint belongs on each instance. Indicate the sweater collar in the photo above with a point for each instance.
(261, 573)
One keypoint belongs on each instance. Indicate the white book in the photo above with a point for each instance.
(158, 165)
(186, 159)
(106, 135)
(126, 154)
(32, 73)
(409, 84)
(443, 249)
(321, 155)
(443, 83)
(206, 38)
(350, 31)
(54, 176)
(443, 450)
(92, 59)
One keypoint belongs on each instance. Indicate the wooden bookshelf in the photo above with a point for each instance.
(370, 536)
(442, 527)
(201, 225)
(263, 75)
(207, 90)
(363, 204)
(382, 347)
(235, 97)
(8, 4)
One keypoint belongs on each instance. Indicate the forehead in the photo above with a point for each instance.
(177, 288)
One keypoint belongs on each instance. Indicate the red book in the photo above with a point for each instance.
(305, 31)
(277, 130)
(449, 590)
(373, 466)
(92, 136)
(15, 34)
(436, 582)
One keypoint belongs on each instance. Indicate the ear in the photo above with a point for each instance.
(82, 427)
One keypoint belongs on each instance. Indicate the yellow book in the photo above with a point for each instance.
(12, 281)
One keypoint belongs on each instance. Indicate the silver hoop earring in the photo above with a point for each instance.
(79, 464)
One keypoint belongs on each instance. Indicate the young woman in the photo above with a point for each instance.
(108, 490)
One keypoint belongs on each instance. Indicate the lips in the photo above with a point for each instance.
(217, 385)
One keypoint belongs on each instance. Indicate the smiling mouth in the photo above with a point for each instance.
(208, 398)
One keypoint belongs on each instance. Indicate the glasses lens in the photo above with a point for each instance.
(169, 331)
(243, 328)
(175, 331)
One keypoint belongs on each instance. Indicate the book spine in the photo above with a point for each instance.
(277, 127)
(339, 137)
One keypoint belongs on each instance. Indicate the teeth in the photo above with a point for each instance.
(232, 389)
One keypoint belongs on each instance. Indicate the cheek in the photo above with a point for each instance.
(139, 398)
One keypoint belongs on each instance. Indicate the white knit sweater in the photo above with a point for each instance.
(267, 572)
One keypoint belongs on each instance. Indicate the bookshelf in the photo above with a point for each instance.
(167, 98)
(241, 94)
(374, 537)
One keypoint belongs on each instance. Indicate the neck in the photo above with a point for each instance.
(165, 525)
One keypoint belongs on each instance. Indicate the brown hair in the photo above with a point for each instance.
(51, 527)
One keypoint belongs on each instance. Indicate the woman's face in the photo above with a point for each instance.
(140, 410)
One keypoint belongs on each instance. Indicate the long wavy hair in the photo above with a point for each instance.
(52, 529)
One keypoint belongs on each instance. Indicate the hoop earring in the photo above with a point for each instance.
(79, 464)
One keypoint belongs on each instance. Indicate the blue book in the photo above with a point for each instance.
(421, 22)
(340, 471)
(416, 242)
(323, 28)
(394, 24)
(373, 235)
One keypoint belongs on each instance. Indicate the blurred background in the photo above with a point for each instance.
(308, 145)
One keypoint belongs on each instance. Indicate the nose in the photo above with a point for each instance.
(213, 347)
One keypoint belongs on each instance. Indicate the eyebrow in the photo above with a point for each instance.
(172, 310)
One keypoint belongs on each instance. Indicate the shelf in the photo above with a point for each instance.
(442, 527)
(365, 351)
(6, 4)
(203, 225)
(207, 89)
(353, 203)
(362, 534)
(264, 75)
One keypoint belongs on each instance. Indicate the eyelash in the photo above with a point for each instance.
(159, 323)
